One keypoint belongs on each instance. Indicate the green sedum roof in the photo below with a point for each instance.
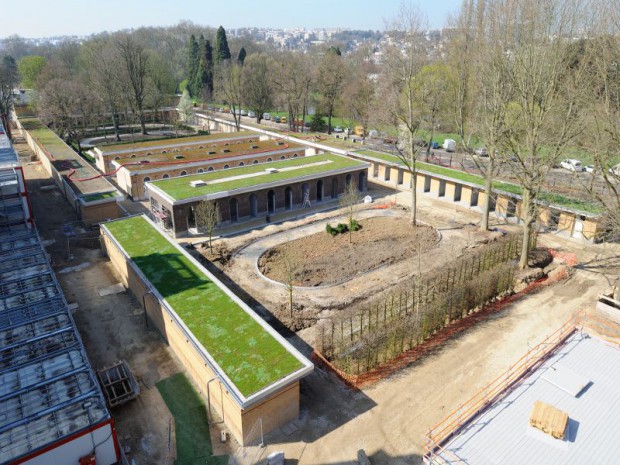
(249, 355)
(179, 188)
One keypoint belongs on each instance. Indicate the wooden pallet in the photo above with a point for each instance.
(549, 419)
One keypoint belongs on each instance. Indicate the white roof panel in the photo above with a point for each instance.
(501, 434)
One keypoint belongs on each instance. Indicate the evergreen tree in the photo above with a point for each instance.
(196, 84)
(193, 63)
(222, 52)
(208, 68)
(241, 56)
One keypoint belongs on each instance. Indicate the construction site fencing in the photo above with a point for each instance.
(362, 339)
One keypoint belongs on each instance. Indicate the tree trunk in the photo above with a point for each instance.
(117, 133)
(414, 198)
(528, 220)
(143, 123)
(488, 190)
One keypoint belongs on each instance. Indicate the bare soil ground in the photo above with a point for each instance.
(322, 259)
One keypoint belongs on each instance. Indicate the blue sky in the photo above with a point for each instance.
(44, 18)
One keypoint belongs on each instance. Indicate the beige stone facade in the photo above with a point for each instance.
(274, 410)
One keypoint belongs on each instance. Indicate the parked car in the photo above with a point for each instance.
(615, 170)
(481, 152)
(244, 113)
(337, 129)
(449, 145)
(277, 119)
(266, 116)
(589, 169)
(283, 119)
(251, 114)
(434, 145)
(571, 164)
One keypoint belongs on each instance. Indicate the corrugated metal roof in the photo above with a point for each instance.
(48, 390)
(501, 434)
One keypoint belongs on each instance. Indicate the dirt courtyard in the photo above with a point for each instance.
(321, 259)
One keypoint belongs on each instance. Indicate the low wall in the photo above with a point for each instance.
(276, 410)
(571, 224)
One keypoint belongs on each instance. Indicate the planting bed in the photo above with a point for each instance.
(320, 259)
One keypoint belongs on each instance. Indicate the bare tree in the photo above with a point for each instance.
(330, 77)
(547, 89)
(350, 200)
(402, 91)
(103, 64)
(228, 77)
(70, 106)
(134, 68)
(256, 84)
(207, 217)
(291, 262)
(293, 78)
(602, 139)
(9, 80)
(359, 94)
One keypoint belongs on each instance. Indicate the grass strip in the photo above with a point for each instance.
(190, 422)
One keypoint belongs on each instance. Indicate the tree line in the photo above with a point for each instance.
(530, 78)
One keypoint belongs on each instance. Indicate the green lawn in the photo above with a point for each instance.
(180, 188)
(190, 422)
(250, 356)
(548, 197)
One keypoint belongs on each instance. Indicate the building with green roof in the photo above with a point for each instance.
(244, 368)
(254, 191)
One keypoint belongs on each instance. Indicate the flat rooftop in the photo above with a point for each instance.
(246, 350)
(255, 176)
(67, 162)
(163, 144)
(208, 154)
(501, 434)
(48, 391)
(552, 198)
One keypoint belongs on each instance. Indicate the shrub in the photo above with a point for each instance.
(355, 226)
(330, 230)
(342, 228)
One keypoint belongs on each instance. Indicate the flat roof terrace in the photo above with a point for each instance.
(249, 355)
(163, 144)
(220, 183)
(77, 172)
(208, 154)
(580, 378)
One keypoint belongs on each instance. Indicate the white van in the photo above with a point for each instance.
(449, 145)
(266, 116)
